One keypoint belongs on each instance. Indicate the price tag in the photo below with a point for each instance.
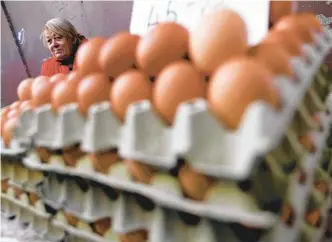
(148, 13)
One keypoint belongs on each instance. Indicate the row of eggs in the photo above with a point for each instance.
(218, 52)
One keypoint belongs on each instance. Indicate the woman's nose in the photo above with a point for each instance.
(55, 44)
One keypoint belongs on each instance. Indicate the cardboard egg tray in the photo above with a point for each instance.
(264, 152)
(12, 170)
(35, 215)
(83, 204)
(144, 137)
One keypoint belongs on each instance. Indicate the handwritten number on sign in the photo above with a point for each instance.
(171, 14)
(153, 17)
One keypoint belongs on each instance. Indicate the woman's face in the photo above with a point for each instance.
(59, 46)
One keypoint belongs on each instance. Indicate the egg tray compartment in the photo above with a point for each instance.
(312, 233)
(164, 194)
(13, 170)
(126, 212)
(144, 137)
(15, 148)
(22, 197)
(309, 165)
(77, 196)
(82, 230)
(84, 168)
(197, 136)
(163, 225)
(102, 129)
(25, 213)
(298, 227)
(25, 227)
(141, 219)
(38, 216)
(166, 226)
(298, 191)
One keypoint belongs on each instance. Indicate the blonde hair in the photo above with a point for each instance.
(61, 27)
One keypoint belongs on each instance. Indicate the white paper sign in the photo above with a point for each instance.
(147, 13)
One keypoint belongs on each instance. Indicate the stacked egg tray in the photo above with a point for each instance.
(268, 185)
(20, 200)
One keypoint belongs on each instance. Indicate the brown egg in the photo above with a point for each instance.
(130, 87)
(307, 142)
(177, 83)
(92, 89)
(73, 221)
(33, 198)
(220, 36)
(311, 21)
(102, 226)
(13, 113)
(165, 43)
(322, 186)
(87, 55)
(24, 89)
(75, 76)
(26, 105)
(4, 113)
(18, 192)
(4, 185)
(40, 79)
(274, 57)
(135, 236)
(237, 84)
(194, 184)
(15, 105)
(279, 9)
(118, 54)
(44, 154)
(141, 172)
(287, 39)
(8, 129)
(41, 91)
(297, 25)
(313, 217)
(287, 214)
(102, 161)
(71, 155)
(57, 78)
(64, 93)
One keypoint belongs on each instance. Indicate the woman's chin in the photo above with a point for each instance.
(60, 57)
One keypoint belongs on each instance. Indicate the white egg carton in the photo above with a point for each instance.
(26, 127)
(157, 232)
(17, 173)
(165, 194)
(195, 135)
(164, 225)
(15, 148)
(36, 216)
(119, 179)
(298, 194)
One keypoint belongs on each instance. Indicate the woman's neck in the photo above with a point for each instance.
(69, 61)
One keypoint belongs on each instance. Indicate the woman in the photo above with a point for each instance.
(62, 40)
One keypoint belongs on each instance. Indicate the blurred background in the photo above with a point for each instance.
(22, 21)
